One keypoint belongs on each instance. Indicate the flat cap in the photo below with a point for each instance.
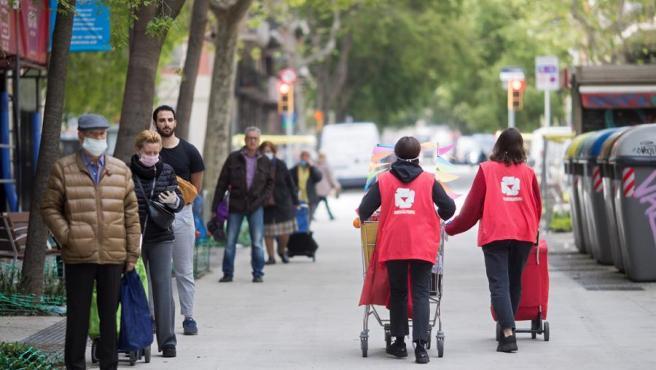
(92, 122)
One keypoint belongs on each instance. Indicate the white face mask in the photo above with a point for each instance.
(95, 147)
(268, 155)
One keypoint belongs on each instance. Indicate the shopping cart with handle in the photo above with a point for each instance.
(368, 234)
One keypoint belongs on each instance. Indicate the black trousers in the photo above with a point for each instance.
(504, 263)
(420, 271)
(79, 288)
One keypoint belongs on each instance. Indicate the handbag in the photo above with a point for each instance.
(188, 190)
(157, 212)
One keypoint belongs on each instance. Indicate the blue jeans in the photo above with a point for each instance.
(256, 228)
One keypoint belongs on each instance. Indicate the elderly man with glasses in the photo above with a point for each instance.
(246, 174)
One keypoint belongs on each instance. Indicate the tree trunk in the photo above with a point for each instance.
(217, 137)
(139, 92)
(37, 235)
(190, 71)
(332, 77)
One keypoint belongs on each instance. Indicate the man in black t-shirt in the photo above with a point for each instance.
(188, 164)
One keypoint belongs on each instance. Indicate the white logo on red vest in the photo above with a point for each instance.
(510, 186)
(404, 199)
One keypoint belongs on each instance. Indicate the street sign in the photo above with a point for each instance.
(288, 75)
(546, 73)
(91, 26)
(511, 73)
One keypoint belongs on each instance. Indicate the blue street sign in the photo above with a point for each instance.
(91, 26)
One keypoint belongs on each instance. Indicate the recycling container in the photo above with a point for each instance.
(571, 168)
(589, 227)
(578, 188)
(609, 184)
(593, 183)
(634, 159)
(575, 211)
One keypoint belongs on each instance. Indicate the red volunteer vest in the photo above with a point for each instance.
(409, 228)
(509, 210)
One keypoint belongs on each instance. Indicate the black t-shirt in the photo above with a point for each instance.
(184, 158)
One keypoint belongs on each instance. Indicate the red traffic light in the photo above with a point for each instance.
(516, 85)
(284, 88)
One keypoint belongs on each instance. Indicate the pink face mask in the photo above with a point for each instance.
(148, 160)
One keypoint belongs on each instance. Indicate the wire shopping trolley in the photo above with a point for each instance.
(369, 231)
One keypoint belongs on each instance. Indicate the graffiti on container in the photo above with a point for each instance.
(646, 193)
(645, 148)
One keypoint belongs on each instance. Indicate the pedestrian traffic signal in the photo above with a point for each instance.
(516, 94)
(285, 98)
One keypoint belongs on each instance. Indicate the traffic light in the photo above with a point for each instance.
(516, 94)
(285, 98)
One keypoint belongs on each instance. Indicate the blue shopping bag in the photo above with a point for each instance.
(136, 324)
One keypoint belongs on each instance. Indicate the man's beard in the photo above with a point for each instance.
(162, 133)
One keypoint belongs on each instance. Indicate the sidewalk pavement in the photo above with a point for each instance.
(305, 315)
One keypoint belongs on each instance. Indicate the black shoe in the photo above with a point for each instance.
(258, 279)
(226, 279)
(284, 257)
(398, 349)
(270, 261)
(421, 355)
(189, 327)
(507, 344)
(168, 351)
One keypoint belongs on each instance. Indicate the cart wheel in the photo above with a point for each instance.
(388, 337)
(440, 346)
(132, 355)
(147, 354)
(364, 345)
(498, 332)
(94, 349)
(546, 331)
(535, 328)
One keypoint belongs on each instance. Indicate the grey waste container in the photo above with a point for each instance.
(609, 186)
(575, 208)
(596, 209)
(579, 177)
(634, 159)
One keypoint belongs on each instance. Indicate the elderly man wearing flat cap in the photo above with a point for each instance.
(91, 208)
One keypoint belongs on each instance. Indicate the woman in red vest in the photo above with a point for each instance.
(505, 197)
(407, 243)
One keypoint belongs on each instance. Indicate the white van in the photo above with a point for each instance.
(348, 148)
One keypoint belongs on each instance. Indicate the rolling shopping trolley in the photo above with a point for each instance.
(369, 231)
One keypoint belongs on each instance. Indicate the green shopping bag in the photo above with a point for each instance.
(94, 320)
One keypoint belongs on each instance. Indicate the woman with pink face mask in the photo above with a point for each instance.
(155, 180)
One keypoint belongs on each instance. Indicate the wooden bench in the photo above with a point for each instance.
(13, 235)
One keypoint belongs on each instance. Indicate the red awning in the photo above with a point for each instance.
(618, 97)
(33, 28)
